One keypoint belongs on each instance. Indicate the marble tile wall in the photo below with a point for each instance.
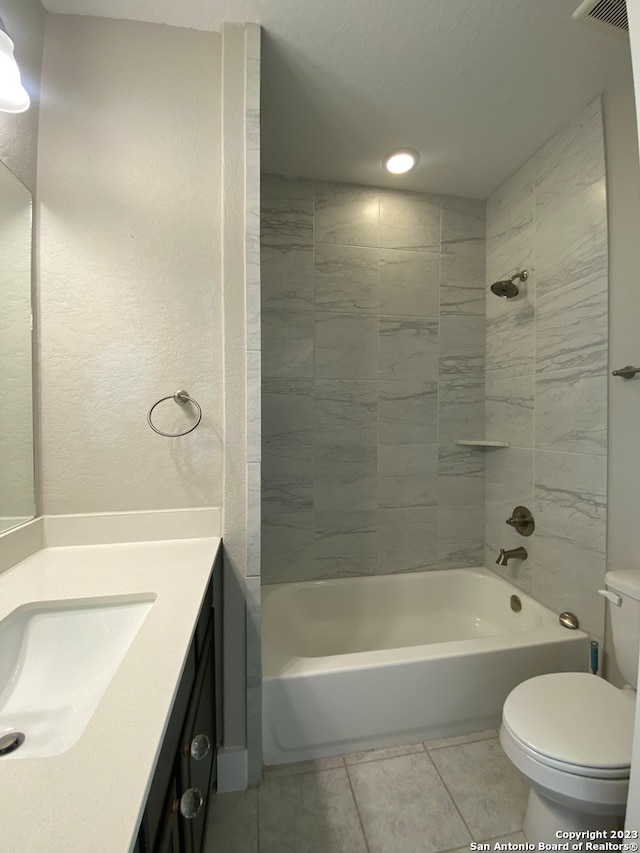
(546, 370)
(373, 352)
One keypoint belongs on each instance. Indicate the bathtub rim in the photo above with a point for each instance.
(277, 664)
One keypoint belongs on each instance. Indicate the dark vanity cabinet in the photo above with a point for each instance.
(168, 840)
(197, 752)
(174, 819)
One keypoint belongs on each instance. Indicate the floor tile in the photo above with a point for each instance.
(404, 806)
(380, 754)
(456, 740)
(513, 838)
(309, 813)
(488, 790)
(276, 771)
(232, 823)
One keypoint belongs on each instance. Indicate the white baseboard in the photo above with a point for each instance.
(105, 528)
(232, 769)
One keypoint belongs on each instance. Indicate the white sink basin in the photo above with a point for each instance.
(56, 661)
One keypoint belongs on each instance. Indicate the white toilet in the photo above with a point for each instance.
(570, 733)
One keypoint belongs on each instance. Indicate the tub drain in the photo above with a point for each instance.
(10, 741)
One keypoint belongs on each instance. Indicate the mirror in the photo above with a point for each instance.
(17, 492)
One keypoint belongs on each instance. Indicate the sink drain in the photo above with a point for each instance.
(10, 741)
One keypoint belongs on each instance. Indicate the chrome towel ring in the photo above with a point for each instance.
(181, 398)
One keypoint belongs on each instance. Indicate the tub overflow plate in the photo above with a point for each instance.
(10, 741)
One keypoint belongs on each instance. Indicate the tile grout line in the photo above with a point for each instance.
(354, 764)
(453, 800)
(269, 778)
(506, 835)
(386, 757)
(488, 841)
(355, 802)
(462, 743)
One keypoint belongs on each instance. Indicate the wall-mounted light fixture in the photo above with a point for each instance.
(13, 95)
(400, 161)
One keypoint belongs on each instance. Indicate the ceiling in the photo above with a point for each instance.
(196, 14)
(476, 86)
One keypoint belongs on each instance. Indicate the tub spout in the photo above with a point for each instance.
(514, 553)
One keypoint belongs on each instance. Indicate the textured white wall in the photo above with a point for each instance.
(130, 293)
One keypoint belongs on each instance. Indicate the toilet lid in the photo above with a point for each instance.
(572, 718)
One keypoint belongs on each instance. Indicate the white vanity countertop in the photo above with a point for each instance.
(91, 797)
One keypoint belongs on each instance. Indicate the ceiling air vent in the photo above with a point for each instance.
(605, 14)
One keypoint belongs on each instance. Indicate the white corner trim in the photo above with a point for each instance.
(232, 769)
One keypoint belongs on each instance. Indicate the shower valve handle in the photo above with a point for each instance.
(627, 372)
(522, 520)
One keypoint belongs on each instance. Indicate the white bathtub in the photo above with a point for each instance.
(359, 663)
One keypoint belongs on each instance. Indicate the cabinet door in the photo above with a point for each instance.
(217, 651)
(198, 747)
(165, 768)
(168, 840)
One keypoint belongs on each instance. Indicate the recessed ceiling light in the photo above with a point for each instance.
(400, 161)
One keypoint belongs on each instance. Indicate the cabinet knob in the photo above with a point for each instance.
(190, 803)
(199, 747)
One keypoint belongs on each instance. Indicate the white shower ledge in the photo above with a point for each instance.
(91, 797)
(482, 442)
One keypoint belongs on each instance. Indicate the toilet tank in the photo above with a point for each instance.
(625, 621)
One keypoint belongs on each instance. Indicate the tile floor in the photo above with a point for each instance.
(425, 798)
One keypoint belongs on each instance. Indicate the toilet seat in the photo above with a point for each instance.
(564, 766)
(571, 790)
(572, 722)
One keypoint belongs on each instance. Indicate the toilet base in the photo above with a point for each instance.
(544, 819)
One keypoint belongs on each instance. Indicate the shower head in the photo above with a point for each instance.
(507, 289)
